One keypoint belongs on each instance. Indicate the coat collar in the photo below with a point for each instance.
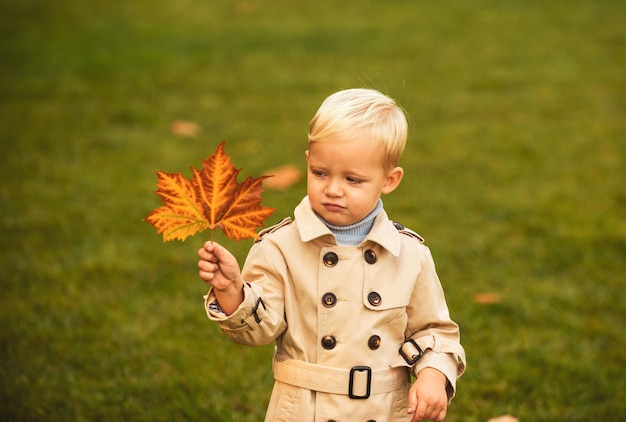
(311, 227)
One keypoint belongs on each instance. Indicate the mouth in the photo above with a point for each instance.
(333, 207)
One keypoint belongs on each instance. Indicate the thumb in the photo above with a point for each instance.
(209, 246)
(215, 249)
(226, 262)
(220, 252)
(412, 405)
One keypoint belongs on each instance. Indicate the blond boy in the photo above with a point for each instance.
(351, 298)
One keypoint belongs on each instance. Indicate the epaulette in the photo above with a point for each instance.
(271, 229)
(408, 232)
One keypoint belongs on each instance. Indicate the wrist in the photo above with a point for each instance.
(230, 298)
(233, 289)
(433, 375)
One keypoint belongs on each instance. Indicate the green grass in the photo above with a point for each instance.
(514, 174)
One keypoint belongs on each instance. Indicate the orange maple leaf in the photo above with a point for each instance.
(211, 198)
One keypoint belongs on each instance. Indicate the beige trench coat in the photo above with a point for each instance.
(339, 316)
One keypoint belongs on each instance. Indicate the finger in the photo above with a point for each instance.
(416, 418)
(207, 255)
(441, 416)
(421, 411)
(412, 402)
(433, 413)
(204, 254)
(206, 276)
(207, 266)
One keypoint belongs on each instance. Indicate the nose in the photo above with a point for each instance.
(333, 188)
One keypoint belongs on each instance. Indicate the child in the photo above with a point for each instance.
(351, 299)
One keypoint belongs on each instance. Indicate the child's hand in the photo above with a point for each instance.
(219, 268)
(427, 397)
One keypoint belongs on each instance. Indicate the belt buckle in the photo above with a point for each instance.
(355, 369)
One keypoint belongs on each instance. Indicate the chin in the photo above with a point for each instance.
(339, 222)
(332, 219)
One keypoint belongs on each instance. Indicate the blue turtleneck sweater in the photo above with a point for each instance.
(354, 234)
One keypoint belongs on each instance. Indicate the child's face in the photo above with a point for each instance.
(346, 178)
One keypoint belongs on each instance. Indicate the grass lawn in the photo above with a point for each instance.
(515, 173)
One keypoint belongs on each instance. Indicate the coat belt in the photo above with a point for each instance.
(358, 382)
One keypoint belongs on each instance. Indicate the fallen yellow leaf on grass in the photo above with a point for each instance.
(283, 177)
(486, 298)
(185, 129)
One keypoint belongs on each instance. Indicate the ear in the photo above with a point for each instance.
(306, 154)
(393, 179)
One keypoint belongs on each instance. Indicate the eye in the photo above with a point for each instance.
(318, 173)
(354, 180)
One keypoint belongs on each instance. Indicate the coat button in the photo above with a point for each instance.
(329, 342)
(398, 226)
(374, 342)
(370, 256)
(374, 299)
(330, 259)
(329, 300)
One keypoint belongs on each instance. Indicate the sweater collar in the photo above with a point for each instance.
(353, 234)
(311, 227)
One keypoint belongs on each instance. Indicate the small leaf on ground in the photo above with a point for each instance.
(282, 177)
(185, 129)
(486, 298)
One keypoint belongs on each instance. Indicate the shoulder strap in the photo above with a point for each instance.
(408, 232)
(271, 229)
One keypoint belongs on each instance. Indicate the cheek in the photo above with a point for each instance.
(310, 186)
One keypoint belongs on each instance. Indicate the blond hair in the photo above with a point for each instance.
(366, 113)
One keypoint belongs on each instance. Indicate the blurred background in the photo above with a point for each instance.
(514, 175)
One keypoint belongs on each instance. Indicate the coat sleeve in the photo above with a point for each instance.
(429, 318)
(260, 317)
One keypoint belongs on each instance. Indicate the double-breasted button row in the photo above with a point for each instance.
(329, 299)
(329, 342)
(331, 259)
